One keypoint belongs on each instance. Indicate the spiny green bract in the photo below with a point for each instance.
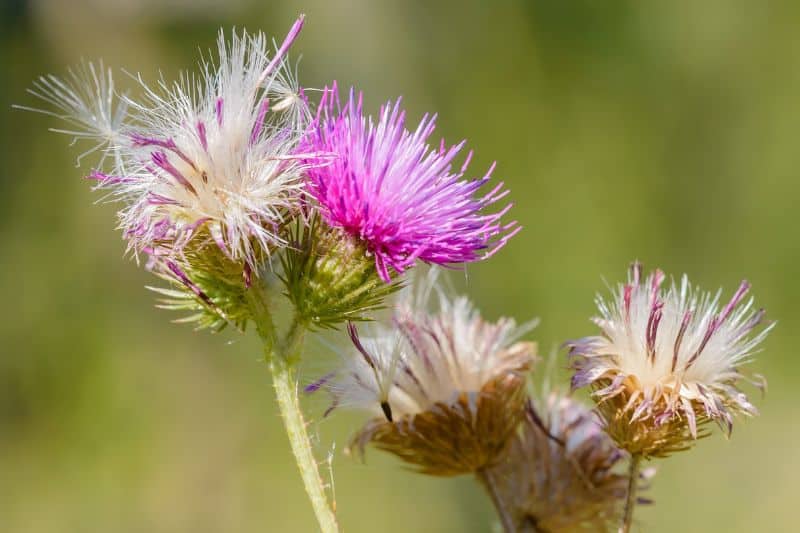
(330, 278)
(220, 279)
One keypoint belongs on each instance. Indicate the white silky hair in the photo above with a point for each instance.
(676, 351)
(225, 137)
(427, 357)
(725, 350)
(86, 100)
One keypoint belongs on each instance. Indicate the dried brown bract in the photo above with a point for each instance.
(562, 472)
(454, 438)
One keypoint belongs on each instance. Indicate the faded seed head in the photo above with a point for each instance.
(446, 388)
(561, 471)
(667, 362)
(458, 437)
(205, 155)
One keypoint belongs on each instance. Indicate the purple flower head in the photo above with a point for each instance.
(387, 187)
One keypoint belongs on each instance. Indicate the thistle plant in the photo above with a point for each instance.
(236, 189)
(228, 180)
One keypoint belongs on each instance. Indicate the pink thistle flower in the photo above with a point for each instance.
(388, 188)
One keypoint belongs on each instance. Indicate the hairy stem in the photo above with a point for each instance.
(286, 392)
(282, 358)
(507, 521)
(630, 502)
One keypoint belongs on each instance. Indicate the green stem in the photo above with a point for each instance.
(507, 521)
(282, 360)
(630, 502)
(286, 392)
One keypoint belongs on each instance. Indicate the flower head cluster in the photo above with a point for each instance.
(205, 159)
(446, 388)
(233, 166)
(388, 188)
(221, 172)
(667, 361)
(560, 472)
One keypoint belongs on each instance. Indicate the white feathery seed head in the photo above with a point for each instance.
(426, 357)
(446, 389)
(672, 354)
(208, 156)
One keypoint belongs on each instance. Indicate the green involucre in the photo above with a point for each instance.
(330, 278)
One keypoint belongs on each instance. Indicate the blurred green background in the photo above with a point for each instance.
(664, 131)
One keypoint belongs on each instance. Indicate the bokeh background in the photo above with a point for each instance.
(664, 131)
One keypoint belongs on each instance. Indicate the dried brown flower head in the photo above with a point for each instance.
(446, 388)
(667, 362)
(561, 472)
(457, 437)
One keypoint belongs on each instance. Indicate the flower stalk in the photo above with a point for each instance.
(282, 358)
(285, 384)
(487, 480)
(630, 501)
